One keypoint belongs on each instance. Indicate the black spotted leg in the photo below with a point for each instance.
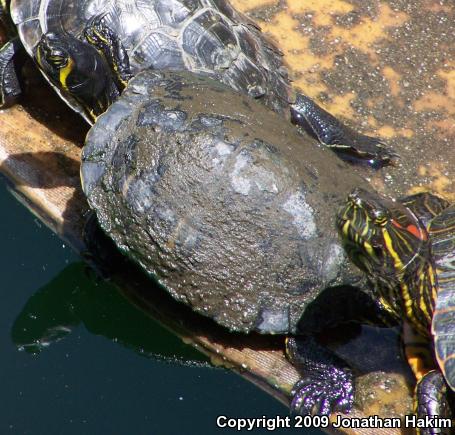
(433, 401)
(432, 396)
(327, 384)
(327, 381)
(107, 42)
(346, 142)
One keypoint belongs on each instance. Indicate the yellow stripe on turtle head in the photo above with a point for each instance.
(390, 248)
(65, 72)
(345, 228)
(368, 248)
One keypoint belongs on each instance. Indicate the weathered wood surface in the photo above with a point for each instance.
(386, 66)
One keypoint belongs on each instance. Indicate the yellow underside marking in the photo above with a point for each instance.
(418, 367)
(417, 350)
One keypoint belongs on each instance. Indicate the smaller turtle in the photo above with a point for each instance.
(407, 250)
(89, 49)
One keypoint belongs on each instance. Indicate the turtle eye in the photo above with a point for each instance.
(51, 56)
(58, 59)
(380, 217)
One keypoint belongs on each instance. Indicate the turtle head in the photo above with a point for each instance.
(79, 71)
(382, 237)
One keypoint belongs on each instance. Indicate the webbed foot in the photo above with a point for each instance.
(346, 142)
(323, 395)
(327, 385)
(433, 401)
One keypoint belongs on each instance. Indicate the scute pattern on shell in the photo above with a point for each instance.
(219, 198)
(442, 236)
(203, 36)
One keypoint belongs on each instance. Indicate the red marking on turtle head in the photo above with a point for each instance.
(411, 228)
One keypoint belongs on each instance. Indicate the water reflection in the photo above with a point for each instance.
(76, 297)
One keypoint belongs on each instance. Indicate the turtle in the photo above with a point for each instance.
(89, 49)
(407, 250)
(230, 210)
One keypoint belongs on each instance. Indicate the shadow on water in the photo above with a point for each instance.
(73, 298)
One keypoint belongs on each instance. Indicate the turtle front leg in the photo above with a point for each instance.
(433, 402)
(10, 88)
(432, 397)
(327, 384)
(346, 142)
(106, 41)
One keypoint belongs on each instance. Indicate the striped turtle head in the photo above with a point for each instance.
(382, 237)
(79, 71)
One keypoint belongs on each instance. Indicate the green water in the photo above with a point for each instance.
(76, 358)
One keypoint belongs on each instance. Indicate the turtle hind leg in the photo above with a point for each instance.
(10, 88)
(107, 42)
(434, 401)
(346, 142)
(327, 384)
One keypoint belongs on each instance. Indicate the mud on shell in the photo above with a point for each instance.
(218, 198)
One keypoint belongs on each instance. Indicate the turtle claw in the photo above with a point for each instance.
(322, 395)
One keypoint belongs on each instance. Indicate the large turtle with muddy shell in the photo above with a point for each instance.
(214, 195)
(230, 210)
(407, 250)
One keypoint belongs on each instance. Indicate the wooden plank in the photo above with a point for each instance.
(40, 145)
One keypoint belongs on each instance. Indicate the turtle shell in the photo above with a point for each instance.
(203, 36)
(442, 236)
(219, 198)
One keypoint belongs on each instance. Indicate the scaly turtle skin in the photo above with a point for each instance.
(407, 250)
(89, 49)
